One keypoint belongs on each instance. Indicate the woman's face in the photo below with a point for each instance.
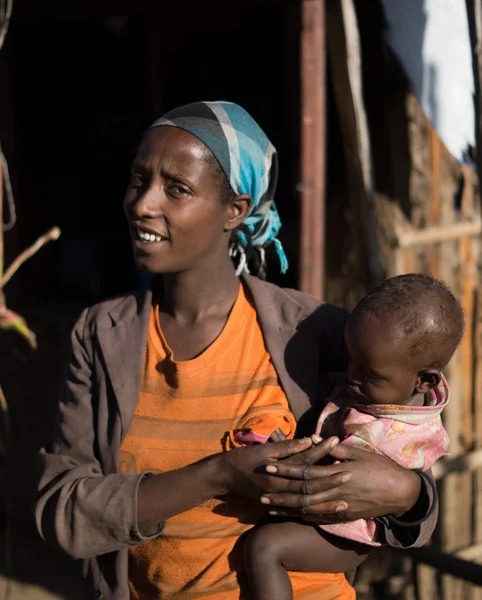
(176, 218)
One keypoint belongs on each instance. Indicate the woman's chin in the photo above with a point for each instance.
(146, 264)
(154, 266)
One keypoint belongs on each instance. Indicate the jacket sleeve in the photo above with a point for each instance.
(79, 509)
(400, 536)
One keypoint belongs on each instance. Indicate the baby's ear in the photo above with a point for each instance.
(427, 380)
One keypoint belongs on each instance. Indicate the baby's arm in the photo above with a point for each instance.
(275, 548)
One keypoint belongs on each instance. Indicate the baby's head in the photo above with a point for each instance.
(400, 337)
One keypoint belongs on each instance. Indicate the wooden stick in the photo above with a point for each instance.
(313, 142)
(5, 423)
(52, 234)
(3, 302)
(470, 461)
(345, 58)
(434, 235)
(474, 18)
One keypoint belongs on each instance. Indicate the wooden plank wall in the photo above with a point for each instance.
(444, 195)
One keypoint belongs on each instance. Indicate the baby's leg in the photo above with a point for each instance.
(273, 549)
(264, 553)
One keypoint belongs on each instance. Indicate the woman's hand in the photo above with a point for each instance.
(243, 470)
(375, 486)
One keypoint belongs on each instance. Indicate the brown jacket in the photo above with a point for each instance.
(85, 506)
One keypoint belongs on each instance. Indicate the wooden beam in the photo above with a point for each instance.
(472, 552)
(435, 235)
(345, 58)
(448, 564)
(470, 461)
(313, 143)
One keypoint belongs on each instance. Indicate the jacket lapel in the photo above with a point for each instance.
(123, 341)
(293, 345)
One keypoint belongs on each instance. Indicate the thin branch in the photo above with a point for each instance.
(52, 234)
(12, 214)
(6, 11)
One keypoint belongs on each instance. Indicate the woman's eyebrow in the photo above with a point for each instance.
(173, 176)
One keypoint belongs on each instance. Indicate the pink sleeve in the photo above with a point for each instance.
(247, 437)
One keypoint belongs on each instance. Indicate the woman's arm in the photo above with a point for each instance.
(240, 470)
(87, 513)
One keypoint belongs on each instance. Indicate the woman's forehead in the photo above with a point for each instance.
(174, 144)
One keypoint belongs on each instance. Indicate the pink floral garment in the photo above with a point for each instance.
(412, 436)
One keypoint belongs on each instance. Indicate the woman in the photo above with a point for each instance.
(137, 482)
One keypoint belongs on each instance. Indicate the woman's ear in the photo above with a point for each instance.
(238, 211)
(427, 380)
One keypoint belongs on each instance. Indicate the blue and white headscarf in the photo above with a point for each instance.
(249, 161)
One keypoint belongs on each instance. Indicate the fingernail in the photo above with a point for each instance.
(264, 500)
(272, 512)
(346, 478)
(305, 440)
(341, 507)
(271, 469)
(316, 438)
(334, 443)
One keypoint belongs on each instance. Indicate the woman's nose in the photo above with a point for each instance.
(148, 204)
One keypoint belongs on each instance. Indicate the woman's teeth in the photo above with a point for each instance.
(149, 237)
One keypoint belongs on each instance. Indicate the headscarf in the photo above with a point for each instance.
(249, 161)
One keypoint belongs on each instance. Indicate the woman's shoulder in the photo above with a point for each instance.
(278, 297)
(110, 311)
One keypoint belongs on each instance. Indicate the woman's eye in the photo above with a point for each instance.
(136, 180)
(177, 190)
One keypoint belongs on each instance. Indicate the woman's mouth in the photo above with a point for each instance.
(146, 237)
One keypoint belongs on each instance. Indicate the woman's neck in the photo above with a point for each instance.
(192, 296)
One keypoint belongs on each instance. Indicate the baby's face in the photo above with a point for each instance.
(380, 371)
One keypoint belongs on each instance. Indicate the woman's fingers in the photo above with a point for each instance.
(311, 511)
(311, 455)
(343, 452)
(299, 472)
(304, 470)
(285, 448)
(301, 494)
(319, 450)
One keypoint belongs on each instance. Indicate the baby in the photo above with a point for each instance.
(399, 339)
